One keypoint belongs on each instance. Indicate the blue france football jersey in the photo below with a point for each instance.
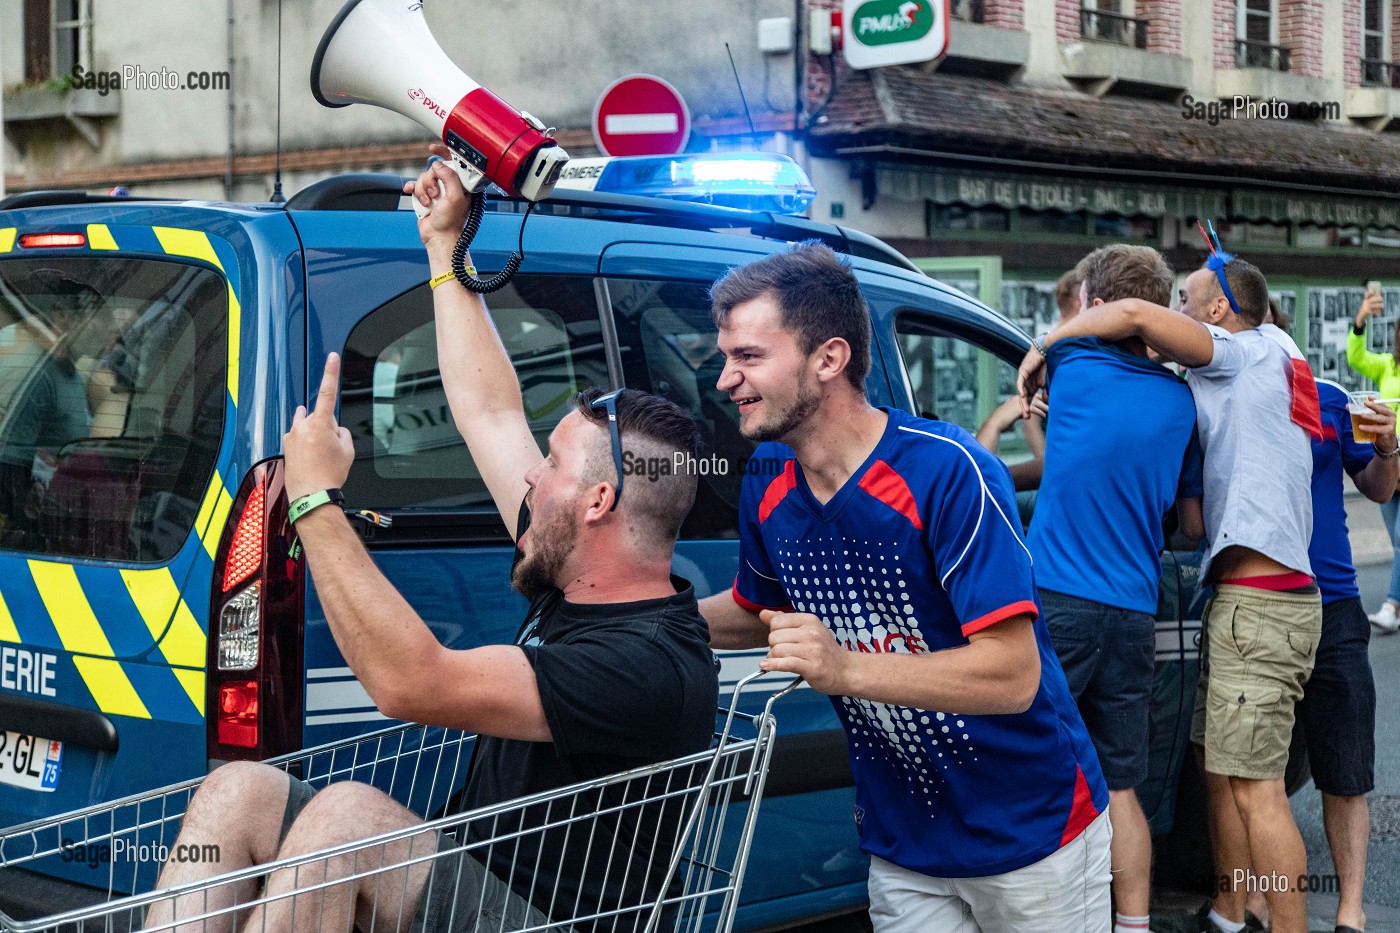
(1119, 449)
(1329, 551)
(917, 551)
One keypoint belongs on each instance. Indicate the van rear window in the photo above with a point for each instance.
(113, 377)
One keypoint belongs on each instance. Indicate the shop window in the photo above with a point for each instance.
(1316, 236)
(1125, 228)
(960, 217)
(1054, 222)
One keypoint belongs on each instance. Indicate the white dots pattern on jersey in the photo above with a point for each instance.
(854, 587)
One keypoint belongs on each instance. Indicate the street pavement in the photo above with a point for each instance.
(1382, 892)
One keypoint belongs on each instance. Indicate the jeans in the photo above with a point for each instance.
(1390, 514)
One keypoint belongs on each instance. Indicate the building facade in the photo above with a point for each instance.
(1049, 128)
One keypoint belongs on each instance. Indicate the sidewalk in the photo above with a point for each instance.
(1322, 911)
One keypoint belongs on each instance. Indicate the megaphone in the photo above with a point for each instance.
(381, 52)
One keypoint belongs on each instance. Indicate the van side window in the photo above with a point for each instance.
(667, 341)
(954, 380)
(408, 452)
(113, 382)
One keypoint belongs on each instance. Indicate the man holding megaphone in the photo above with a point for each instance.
(611, 669)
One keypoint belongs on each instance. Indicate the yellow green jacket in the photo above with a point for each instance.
(1377, 366)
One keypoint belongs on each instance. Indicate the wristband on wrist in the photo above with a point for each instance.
(301, 506)
(1387, 454)
(1038, 344)
(304, 504)
(448, 276)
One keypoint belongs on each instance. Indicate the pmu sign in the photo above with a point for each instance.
(894, 32)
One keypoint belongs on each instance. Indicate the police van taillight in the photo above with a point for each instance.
(254, 684)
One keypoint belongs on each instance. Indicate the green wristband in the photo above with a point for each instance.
(315, 500)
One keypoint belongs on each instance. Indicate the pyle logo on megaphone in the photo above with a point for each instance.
(375, 50)
(419, 95)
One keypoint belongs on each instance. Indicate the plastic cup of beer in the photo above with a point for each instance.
(1356, 405)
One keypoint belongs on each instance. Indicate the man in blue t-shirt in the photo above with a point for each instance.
(1129, 421)
(880, 558)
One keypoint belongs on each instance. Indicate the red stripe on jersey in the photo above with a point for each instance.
(1329, 433)
(995, 616)
(1081, 812)
(752, 606)
(882, 482)
(784, 483)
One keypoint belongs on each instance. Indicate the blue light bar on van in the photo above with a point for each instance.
(753, 181)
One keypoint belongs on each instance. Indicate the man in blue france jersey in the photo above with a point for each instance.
(880, 559)
(1129, 421)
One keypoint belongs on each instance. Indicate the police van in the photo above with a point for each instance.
(152, 353)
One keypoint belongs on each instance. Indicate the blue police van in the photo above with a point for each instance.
(152, 353)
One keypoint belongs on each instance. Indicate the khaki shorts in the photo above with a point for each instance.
(1259, 652)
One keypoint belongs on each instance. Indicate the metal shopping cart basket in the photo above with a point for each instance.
(658, 848)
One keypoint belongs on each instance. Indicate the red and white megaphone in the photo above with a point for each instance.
(381, 52)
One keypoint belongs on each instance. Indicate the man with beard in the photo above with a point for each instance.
(611, 669)
(881, 561)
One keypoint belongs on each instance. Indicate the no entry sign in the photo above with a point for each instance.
(641, 115)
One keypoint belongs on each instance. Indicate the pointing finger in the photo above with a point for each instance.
(330, 382)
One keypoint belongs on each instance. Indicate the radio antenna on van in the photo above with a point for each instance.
(277, 196)
(742, 99)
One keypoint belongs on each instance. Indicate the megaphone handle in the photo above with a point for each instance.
(473, 182)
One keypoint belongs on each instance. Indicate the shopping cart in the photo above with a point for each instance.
(657, 848)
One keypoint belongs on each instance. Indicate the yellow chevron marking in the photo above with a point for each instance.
(213, 513)
(235, 322)
(195, 244)
(8, 632)
(69, 609)
(193, 682)
(192, 243)
(110, 687)
(99, 237)
(158, 600)
(7, 239)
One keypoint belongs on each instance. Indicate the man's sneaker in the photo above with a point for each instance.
(1200, 922)
(1386, 619)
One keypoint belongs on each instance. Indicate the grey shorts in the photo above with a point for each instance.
(459, 896)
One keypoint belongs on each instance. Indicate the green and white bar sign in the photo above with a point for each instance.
(894, 32)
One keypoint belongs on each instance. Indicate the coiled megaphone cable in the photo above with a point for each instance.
(464, 240)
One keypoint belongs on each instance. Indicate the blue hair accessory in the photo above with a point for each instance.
(1216, 262)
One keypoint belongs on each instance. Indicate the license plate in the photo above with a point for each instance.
(29, 761)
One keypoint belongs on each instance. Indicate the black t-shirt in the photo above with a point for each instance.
(622, 685)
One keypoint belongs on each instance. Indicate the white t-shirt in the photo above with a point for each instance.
(1258, 462)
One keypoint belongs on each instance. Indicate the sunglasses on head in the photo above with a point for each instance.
(608, 403)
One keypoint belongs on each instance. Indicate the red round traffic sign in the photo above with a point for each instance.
(641, 115)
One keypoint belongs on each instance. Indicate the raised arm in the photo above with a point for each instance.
(1175, 337)
(1371, 365)
(404, 668)
(481, 385)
